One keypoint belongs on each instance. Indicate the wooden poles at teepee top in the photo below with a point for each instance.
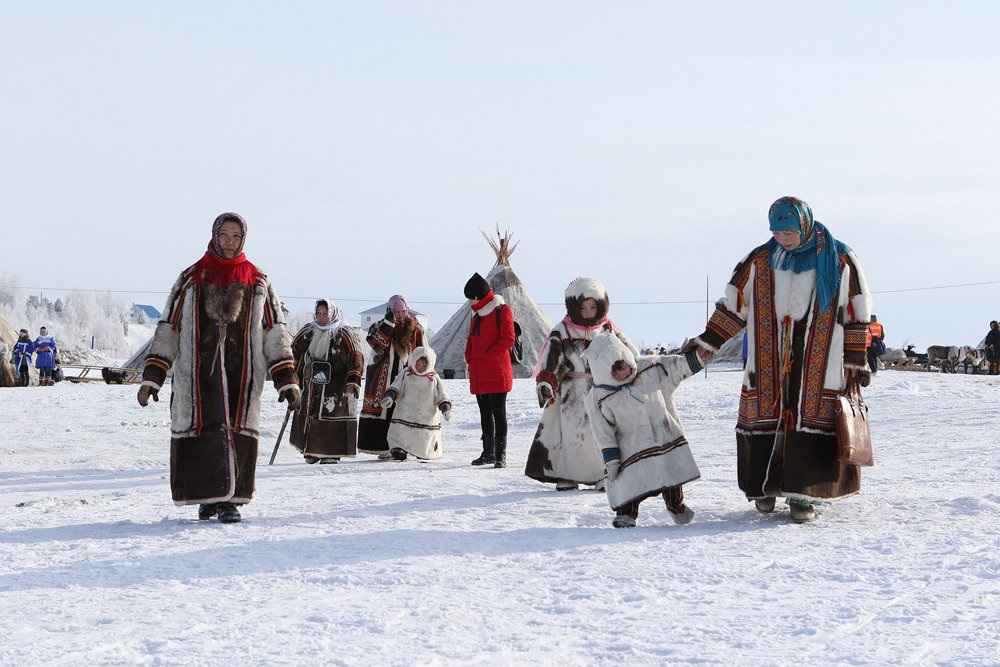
(501, 247)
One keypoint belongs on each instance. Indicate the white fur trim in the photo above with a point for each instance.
(494, 303)
(602, 354)
(587, 288)
(426, 352)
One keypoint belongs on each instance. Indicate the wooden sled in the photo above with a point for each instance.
(105, 374)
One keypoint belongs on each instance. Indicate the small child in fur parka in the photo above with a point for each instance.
(418, 393)
(632, 415)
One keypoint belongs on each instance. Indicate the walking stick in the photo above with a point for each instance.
(280, 433)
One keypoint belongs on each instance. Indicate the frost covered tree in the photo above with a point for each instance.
(74, 320)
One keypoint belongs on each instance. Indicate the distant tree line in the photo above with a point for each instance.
(76, 320)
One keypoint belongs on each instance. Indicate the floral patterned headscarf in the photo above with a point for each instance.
(817, 248)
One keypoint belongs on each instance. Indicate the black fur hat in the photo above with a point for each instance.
(476, 288)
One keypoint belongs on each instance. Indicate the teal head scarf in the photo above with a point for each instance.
(817, 250)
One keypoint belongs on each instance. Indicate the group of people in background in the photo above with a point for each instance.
(46, 355)
(608, 419)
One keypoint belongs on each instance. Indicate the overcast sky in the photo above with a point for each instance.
(367, 143)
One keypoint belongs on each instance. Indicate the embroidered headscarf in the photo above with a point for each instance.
(319, 346)
(214, 269)
(817, 248)
(335, 317)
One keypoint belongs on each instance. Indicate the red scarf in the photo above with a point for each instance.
(482, 303)
(214, 270)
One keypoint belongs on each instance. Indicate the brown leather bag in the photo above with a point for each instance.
(854, 440)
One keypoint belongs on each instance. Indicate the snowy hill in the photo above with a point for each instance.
(407, 563)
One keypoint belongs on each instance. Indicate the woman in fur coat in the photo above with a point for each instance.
(391, 340)
(418, 394)
(563, 451)
(328, 362)
(491, 377)
(805, 303)
(637, 428)
(222, 332)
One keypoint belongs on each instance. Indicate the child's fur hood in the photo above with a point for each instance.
(605, 349)
(422, 351)
(579, 291)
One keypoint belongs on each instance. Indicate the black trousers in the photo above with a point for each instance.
(873, 360)
(493, 415)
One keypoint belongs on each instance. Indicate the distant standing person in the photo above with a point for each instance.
(806, 305)
(329, 363)
(993, 348)
(391, 339)
(418, 396)
(491, 377)
(46, 354)
(222, 332)
(876, 344)
(21, 358)
(563, 451)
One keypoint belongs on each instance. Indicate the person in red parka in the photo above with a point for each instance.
(487, 352)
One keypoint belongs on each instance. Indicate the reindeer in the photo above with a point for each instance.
(946, 355)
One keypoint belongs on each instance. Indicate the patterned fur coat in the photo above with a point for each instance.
(222, 343)
(563, 447)
(391, 346)
(326, 423)
(797, 357)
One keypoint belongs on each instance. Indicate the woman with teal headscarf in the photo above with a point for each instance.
(804, 302)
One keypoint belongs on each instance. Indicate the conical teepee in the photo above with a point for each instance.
(449, 342)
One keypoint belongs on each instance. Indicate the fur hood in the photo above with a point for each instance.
(602, 354)
(580, 290)
(422, 351)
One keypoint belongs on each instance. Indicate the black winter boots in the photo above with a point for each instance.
(227, 512)
(487, 456)
(500, 456)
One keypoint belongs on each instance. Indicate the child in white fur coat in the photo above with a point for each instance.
(418, 394)
(632, 415)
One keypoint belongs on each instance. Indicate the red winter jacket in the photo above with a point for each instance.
(487, 351)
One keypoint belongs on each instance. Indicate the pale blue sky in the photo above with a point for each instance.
(367, 144)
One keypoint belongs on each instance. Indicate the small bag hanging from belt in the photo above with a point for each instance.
(854, 440)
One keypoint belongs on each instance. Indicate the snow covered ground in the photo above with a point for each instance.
(388, 563)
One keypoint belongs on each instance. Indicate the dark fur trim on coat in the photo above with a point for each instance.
(224, 305)
(404, 337)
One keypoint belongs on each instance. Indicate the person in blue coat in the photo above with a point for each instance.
(45, 357)
(21, 358)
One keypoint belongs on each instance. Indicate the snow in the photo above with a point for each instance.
(440, 563)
